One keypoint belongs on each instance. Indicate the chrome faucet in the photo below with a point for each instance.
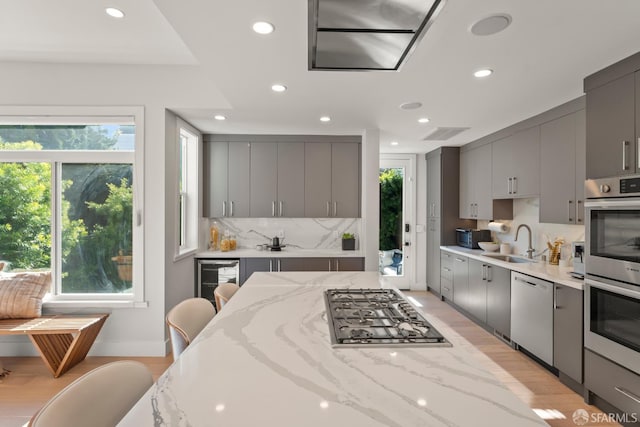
(530, 250)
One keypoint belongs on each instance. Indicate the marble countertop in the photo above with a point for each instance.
(286, 252)
(266, 359)
(538, 269)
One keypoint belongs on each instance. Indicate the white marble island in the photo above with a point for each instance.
(267, 360)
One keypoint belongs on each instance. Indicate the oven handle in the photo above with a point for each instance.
(630, 203)
(612, 288)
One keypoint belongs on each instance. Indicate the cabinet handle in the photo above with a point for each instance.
(279, 266)
(475, 210)
(555, 297)
(273, 208)
(570, 210)
(446, 269)
(270, 265)
(337, 265)
(231, 210)
(459, 260)
(578, 209)
(627, 393)
(625, 144)
(281, 208)
(638, 153)
(328, 204)
(445, 288)
(224, 208)
(514, 187)
(488, 274)
(335, 209)
(484, 272)
(509, 185)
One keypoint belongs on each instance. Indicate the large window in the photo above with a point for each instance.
(188, 189)
(68, 192)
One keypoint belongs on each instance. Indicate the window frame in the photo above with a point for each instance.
(187, 210)
(87, 115)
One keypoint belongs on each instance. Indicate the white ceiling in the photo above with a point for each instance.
(539, 61)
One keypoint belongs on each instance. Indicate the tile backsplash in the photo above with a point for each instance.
(526, 211)
(301, 233)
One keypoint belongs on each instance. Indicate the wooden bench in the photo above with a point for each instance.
(62, 340)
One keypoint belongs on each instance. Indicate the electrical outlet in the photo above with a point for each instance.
(281, 234)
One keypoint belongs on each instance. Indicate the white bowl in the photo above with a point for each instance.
(489, 246)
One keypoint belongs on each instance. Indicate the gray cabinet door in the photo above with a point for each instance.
(568, 331)
(461, 281)
(434, 191)
(248, 266)
(611, 128)
(291, 194)
(239, 182)
(635, 145)
(304, 264)
(348, 264)
(215, 178)
(477, 295)
(466, 195)
(581, 163)
(516, 165)
(264, 179)
(433, 254)
(345, 180)
(499, 299)
(317, 180)
(558, 171)
(481, 176)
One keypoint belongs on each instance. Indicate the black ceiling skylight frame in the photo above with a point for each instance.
(416, 36)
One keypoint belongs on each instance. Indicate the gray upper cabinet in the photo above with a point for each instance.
(434, 192)
(291, 196)
(562, 175)
(476, 201)
(332, 180)
(345, 180)
(277, 179)
(264, 179)
(317, 180)
(516, 165)
(611, 120)
(239, 182)
(228, 187)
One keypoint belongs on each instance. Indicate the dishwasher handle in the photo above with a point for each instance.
(520, 279)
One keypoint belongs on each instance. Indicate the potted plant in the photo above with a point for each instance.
(348, 242)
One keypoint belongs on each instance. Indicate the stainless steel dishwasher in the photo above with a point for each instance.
(532, 315)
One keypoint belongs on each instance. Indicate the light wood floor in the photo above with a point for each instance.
(30, 384)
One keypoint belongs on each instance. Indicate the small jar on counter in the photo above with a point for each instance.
(225, 242)
(232, 242)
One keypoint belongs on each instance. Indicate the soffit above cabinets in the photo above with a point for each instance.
(366, 35)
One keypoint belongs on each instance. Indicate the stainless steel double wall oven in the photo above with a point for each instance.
(612, 266)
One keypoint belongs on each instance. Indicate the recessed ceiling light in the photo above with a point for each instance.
(410, 105)
(423, 120)
(219, 117)
(114, 13)
(263, 27)
(491, 25)
(394, 142)
(325, 119)
(483, 72)
(278, 88)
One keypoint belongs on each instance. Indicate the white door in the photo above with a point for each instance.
(397, 219)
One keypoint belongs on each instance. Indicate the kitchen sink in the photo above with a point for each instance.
(509, 258)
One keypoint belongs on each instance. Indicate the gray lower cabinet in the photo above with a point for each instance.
(499, 299)
(613, 383)
(248, 266)
(477, 293)
(446, 275)
(568, 331)
(461, 281)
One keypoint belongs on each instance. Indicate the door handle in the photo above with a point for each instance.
(509, 185)
(638, 154)
(270, 265)
(578, 209)
(484, 272)
(281, 208)
(459, 260)
(488, 273)
(328, 207)
(279, 266)
(514, 187)
(335, 209)
(570, 210)
(224, 208)
(625, 144)
(337, 264)
(273, 208)
(231, 210)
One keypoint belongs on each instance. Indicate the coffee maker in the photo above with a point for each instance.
(577, 252)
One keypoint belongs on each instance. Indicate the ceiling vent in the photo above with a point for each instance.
(443, 134)
(365, 35)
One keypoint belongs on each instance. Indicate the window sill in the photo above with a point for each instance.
(185, 254)
(93, 304)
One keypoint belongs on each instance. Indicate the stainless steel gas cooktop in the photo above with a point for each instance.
(377, 317)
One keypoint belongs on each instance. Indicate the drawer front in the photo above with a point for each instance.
(613, 383)
(446, 259)
(446, 272)
(446, 288)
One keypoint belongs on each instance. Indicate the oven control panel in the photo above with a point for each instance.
(630, 185)
(613, 187)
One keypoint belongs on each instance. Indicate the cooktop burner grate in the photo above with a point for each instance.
(377, 317)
